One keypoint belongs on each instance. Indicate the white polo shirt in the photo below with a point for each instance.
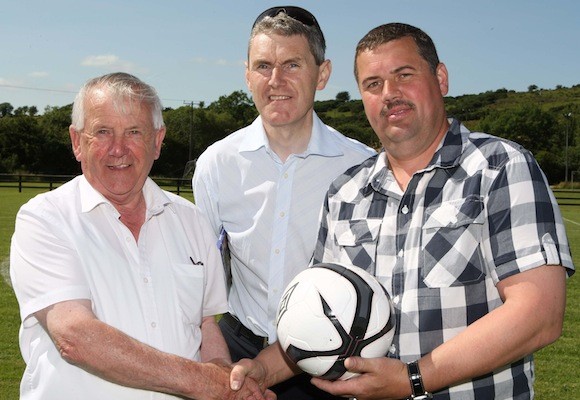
(70, 244)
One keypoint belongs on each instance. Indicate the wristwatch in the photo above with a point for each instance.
(419, 392)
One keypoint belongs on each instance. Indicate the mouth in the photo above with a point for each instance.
(397, 110)
(278, 98)
(118, 167)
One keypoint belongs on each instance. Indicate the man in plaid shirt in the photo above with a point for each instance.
(462, 230)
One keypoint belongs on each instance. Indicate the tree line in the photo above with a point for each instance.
(543, 121)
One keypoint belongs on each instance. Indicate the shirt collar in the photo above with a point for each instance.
(155, 198)
(451, 147)
(448, 154)
(320, 143)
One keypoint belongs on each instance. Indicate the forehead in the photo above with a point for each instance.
(101, 104)
(273, 45)
(392, 54)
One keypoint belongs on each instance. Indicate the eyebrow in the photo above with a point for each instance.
(391, 72)
(297, 59)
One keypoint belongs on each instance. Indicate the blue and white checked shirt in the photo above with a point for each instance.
(480, 212)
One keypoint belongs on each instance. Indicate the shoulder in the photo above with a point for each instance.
(342, 141)
(355, 178)
(494, 151)
(63, 197)
(350, 143)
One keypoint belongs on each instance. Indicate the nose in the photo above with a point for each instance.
(118, 145)
(391, 90)
(277, 76)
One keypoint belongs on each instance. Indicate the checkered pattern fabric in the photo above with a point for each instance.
(480, 212)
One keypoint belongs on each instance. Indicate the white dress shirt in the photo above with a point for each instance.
(270, 210)
(70, 244)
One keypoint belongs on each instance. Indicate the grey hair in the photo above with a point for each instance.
(284, 25)
(122, 86)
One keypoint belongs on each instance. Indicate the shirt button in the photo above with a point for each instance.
(153, 325)
(127, 239)
(400, 253)
(145, 280)
(396, 299)
(285, 175)
(393, 349)
(405, 209)
(282, 214)
(277, 251)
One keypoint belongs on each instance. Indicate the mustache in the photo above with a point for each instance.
(397, 103)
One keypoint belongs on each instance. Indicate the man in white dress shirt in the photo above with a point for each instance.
(118, 281)
(263, 186)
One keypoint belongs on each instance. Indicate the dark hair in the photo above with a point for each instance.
(290, 21)
(393, 31)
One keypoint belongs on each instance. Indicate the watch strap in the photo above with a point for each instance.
(417, 388)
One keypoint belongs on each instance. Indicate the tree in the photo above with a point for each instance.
(238, 105)
(343, 96)
(5, 109)
(528, 125)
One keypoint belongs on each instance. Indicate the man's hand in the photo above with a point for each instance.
(380, 378)
(250, 370)
(216, 382)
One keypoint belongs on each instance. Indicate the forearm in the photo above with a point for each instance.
(530, 319)
(276, 365)
(104, 351)
(120, 359)
(213, 344)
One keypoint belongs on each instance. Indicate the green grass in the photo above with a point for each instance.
(557, 375)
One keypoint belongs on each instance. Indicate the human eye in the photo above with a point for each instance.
(101, 132)
(133, 132)
(372, 85)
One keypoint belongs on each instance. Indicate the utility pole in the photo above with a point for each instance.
(568, 116)
(190, 152)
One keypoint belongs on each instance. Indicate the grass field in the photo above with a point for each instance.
(557, 366)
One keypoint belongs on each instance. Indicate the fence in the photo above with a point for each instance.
(50, 182)
(565, 197)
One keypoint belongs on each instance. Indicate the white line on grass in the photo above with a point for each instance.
(572, 222)
(5, 270)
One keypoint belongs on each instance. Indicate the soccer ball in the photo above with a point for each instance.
(330, 312)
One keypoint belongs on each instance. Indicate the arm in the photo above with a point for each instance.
(204, 191)
(213, 344)
(530, 318)
(102, 350)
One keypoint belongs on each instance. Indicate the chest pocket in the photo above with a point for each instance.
(451, 238)
(189, 285)
(357, 240)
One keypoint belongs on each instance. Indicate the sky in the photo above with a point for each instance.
(194, 50)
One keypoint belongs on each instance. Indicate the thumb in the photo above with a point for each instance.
(355, 364)
(237, 377)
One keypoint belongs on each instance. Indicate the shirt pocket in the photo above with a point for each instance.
(357, 241)
(451, 238)
(189, 286)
